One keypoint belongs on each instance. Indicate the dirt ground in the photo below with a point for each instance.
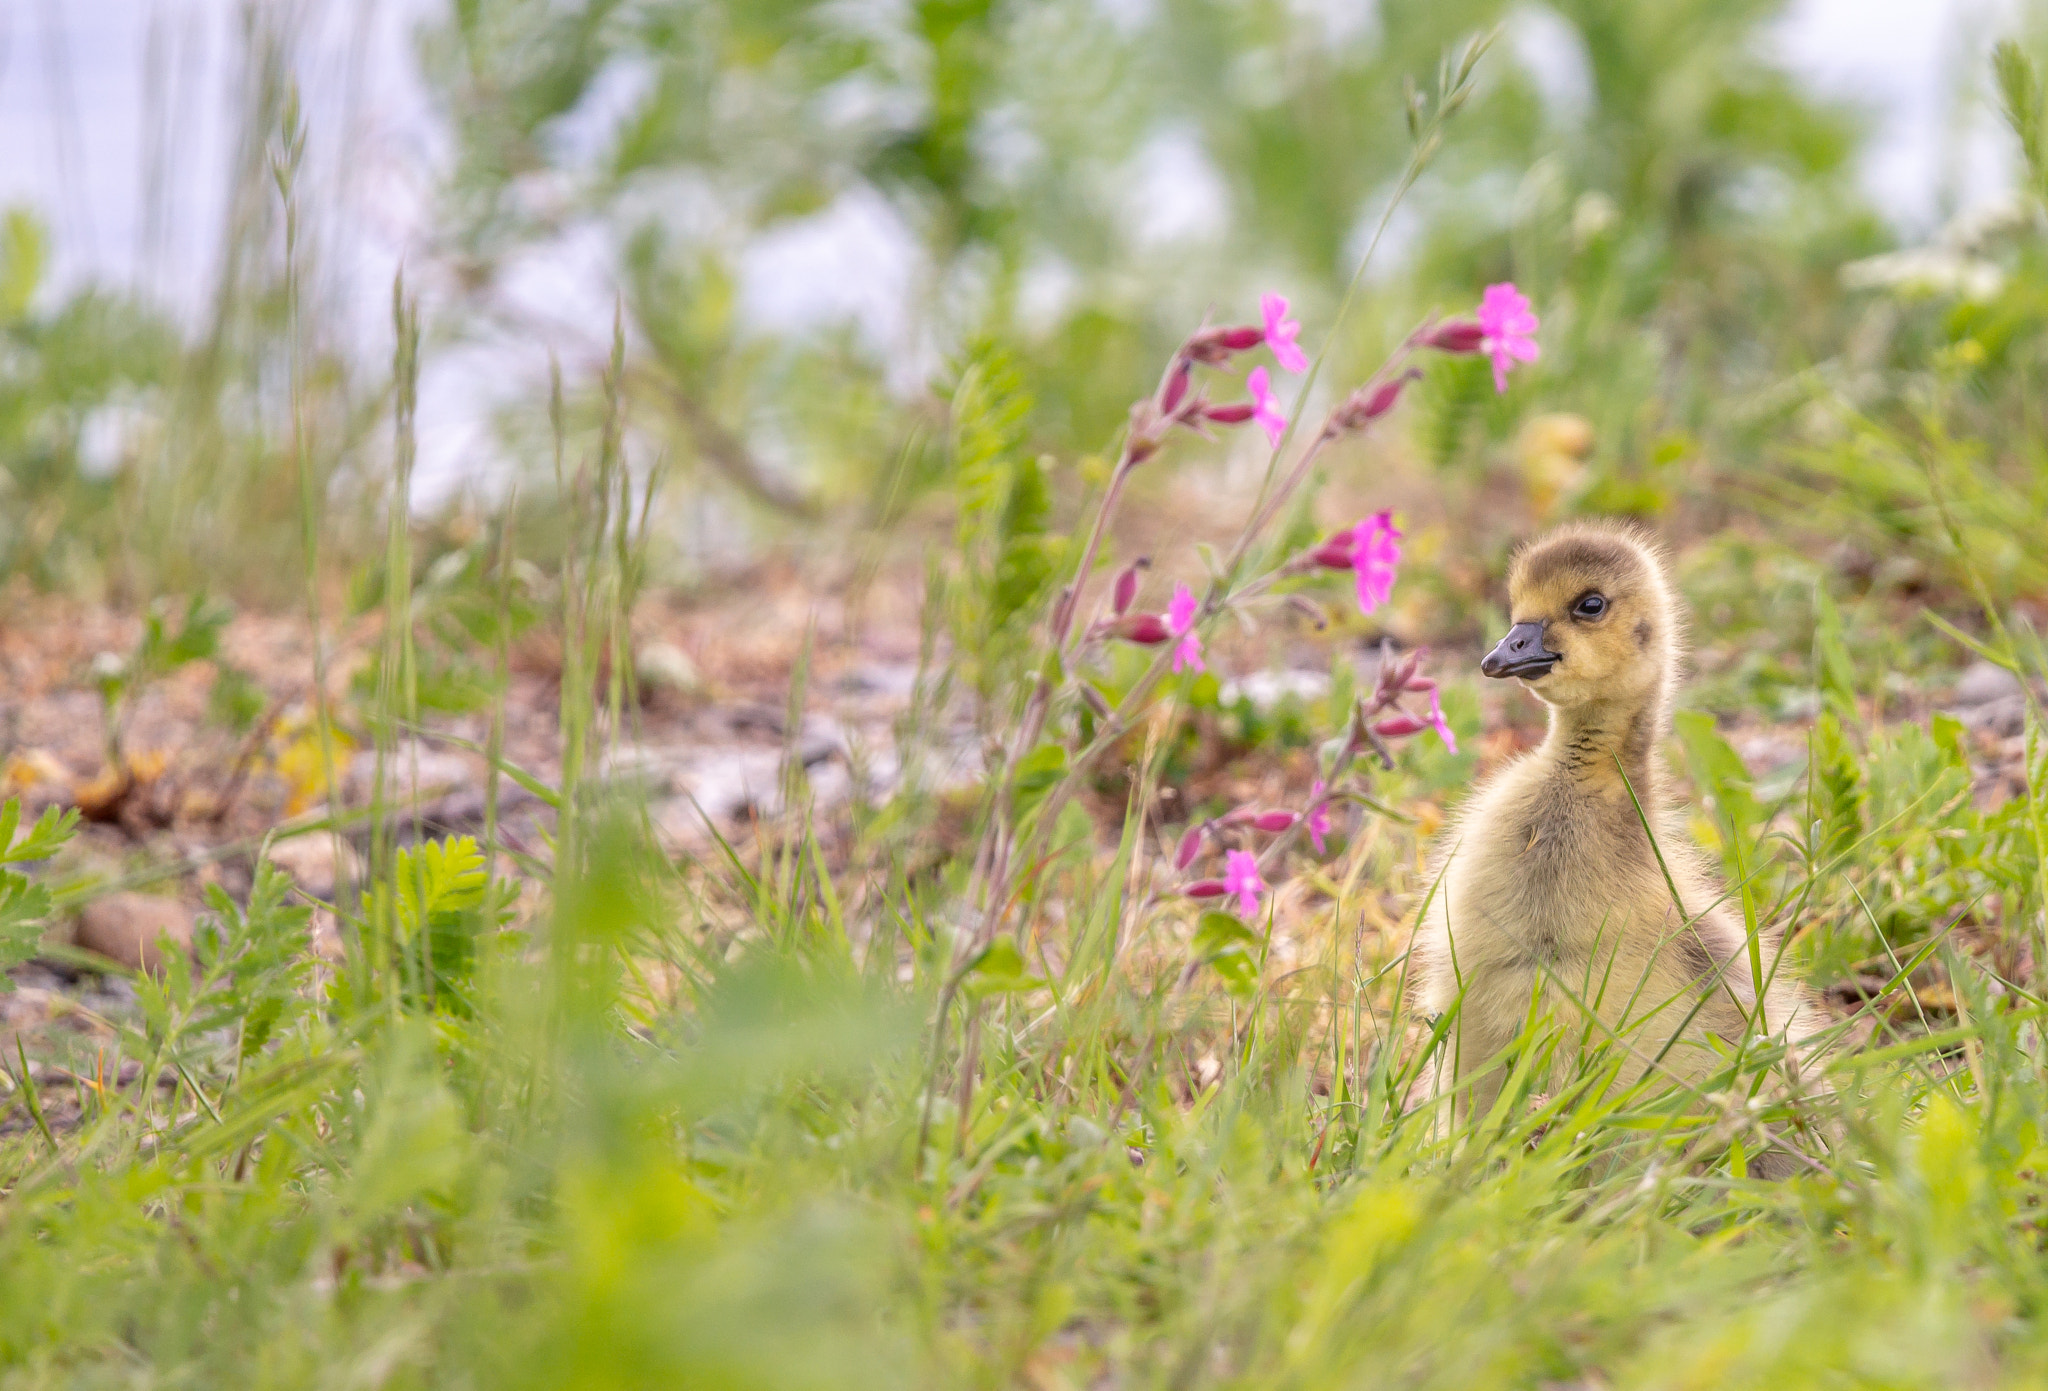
(706, 743)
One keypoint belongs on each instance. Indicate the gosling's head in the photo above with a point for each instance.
(1593, 618)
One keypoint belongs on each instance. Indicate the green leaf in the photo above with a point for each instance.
(1037, 773)
(1220, 932)
(25, 904)
(1718, 771)
(1835, 793)
(434, 905)
(2019, 90)
(1239, 971)
(1227, 944)
(1833, 671)
(45, 838)
(1988, 653)
(1000, 970)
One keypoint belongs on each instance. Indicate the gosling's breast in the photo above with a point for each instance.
(1563, 874)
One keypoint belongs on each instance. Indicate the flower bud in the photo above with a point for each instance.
(1418, 683)
(1369, 403)
(1381, 398)
(1145, 629)
(1206, 888)
(1274, 820)
(1215, 345)
(1127, 585)
(1399, 726)
(1236, 413)
(1190, 846)
(1455, 336)
(1339, 552)
(1176, 388)
(1396, 676)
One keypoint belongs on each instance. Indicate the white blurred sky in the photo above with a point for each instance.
(94, 93)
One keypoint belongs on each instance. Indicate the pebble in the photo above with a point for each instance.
(1983, 682)
(662, 668)
(1990, 698)
(311, 860)
(128, 928)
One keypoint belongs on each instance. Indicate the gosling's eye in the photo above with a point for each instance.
(1592, 606)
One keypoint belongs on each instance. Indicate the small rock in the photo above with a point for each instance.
(1984, 682)
(1267, 689)
(127, 928)
(412, 771)
(663, 669)
(311, 860)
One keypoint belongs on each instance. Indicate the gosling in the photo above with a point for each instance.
(1550, 899)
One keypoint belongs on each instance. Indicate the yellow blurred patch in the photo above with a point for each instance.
(1551, 455)
(304, 761)
(31, 768)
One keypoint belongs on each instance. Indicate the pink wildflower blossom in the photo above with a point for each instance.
(1318, 815)
(1180, 618)
(1281, 332)
(1376, 554)
(1241, 877)
(1441, 725)
(1509, 330)
(1265, 406)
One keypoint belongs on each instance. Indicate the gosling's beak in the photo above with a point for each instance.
(1521, 653)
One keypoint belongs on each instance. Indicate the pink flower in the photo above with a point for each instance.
(1376, 554)
(1509, 330)
(1265, 407)
(1241, 877)
(1441, 725)
(1318, 815)
(1281, 332)
(1180, 619)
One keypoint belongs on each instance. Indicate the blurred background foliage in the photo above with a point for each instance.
(817, 217)
(1083, 181)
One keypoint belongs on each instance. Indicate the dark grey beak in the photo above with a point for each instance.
(1521, 653)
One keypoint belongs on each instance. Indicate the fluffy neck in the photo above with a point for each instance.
(1592, 745)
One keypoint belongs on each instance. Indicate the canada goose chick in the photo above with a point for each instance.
(1548, 891)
